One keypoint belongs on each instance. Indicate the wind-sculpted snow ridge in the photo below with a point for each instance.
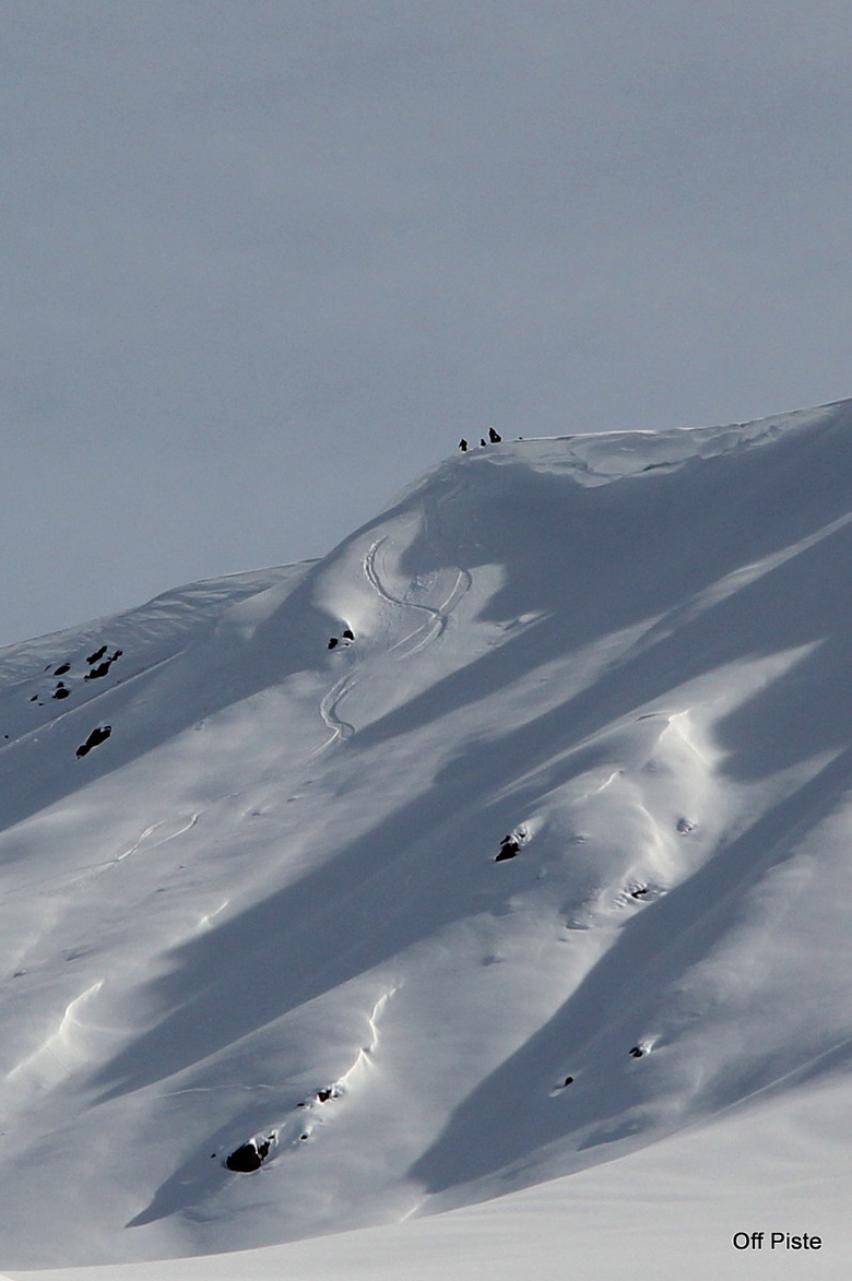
(544, 862)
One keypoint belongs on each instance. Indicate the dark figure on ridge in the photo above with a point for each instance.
(463, 445)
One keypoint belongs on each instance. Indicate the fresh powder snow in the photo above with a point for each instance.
(495, 863)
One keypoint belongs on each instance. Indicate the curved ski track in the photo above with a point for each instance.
(340, 729)
(438, 617)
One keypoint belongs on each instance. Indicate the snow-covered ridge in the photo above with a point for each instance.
(540, 864)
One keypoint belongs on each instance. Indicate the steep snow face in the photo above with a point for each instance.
(267, 907)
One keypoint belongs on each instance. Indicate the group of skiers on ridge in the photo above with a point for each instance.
(493, 436)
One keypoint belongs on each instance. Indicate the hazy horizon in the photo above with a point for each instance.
(265, 263)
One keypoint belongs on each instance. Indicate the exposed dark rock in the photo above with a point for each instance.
(249, 1157)
(62, 669)
(97, 736)
(493, 436)
(320, 1096)
(569, 1080)
(348, 634)
(98, 654)
(103, 668)
(463, 445)
(637, 1052)
(244, 1160)
(60, 691)
(510, 845)
(333, 642)
(639, 892)
(482, 441)
(34, 697)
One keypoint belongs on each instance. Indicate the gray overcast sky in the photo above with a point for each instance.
(264, 262)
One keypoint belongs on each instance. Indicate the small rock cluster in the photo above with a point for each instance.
(99, 666)
(249, 1156)
(348, 637)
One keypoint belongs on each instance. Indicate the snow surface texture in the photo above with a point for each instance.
(269, 905)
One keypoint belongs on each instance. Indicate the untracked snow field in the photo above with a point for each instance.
(508, 933)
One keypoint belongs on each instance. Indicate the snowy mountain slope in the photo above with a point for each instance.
(672, 1210)
(276, 876)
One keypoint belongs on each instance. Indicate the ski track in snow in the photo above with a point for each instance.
(438, 616)
(212, 1089)
(340, 729)
(91, 871)
(149, 831)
